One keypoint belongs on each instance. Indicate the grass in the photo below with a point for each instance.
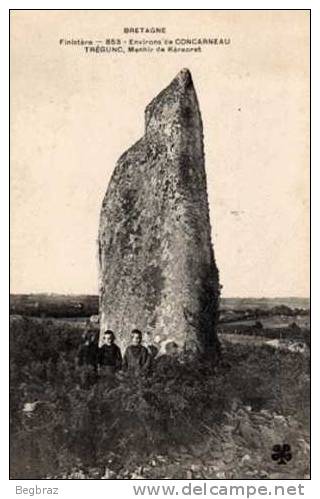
(186, 419)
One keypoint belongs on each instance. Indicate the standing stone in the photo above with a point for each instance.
(157, 268)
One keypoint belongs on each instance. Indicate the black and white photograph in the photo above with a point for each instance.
(159, 245)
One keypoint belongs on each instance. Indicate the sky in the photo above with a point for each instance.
(73, 114)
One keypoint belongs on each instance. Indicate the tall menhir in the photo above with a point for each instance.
(157, 267)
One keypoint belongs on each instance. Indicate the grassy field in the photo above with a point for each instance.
(186, 420)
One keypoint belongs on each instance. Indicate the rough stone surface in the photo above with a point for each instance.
(157, 268)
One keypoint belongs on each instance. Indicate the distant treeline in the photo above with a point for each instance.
(228, 316)
(54, 305)
(232, 309)
(289, 332)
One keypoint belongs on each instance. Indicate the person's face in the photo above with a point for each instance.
(136, 339)
(108, 339)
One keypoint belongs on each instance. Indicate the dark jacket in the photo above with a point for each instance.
(136, 359)
(87, 354)
(110, 356)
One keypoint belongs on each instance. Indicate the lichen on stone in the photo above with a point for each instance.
(156, 261)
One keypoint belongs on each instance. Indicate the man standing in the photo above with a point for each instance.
(87, 358)
(136, 359)
(87, 352)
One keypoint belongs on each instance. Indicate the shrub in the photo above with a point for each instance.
(81, 418)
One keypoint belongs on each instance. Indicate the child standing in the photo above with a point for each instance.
(136, 359)
(109, 357)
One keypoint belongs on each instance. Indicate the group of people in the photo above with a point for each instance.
(108, 358)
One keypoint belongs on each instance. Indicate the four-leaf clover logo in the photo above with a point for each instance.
(281, 453)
